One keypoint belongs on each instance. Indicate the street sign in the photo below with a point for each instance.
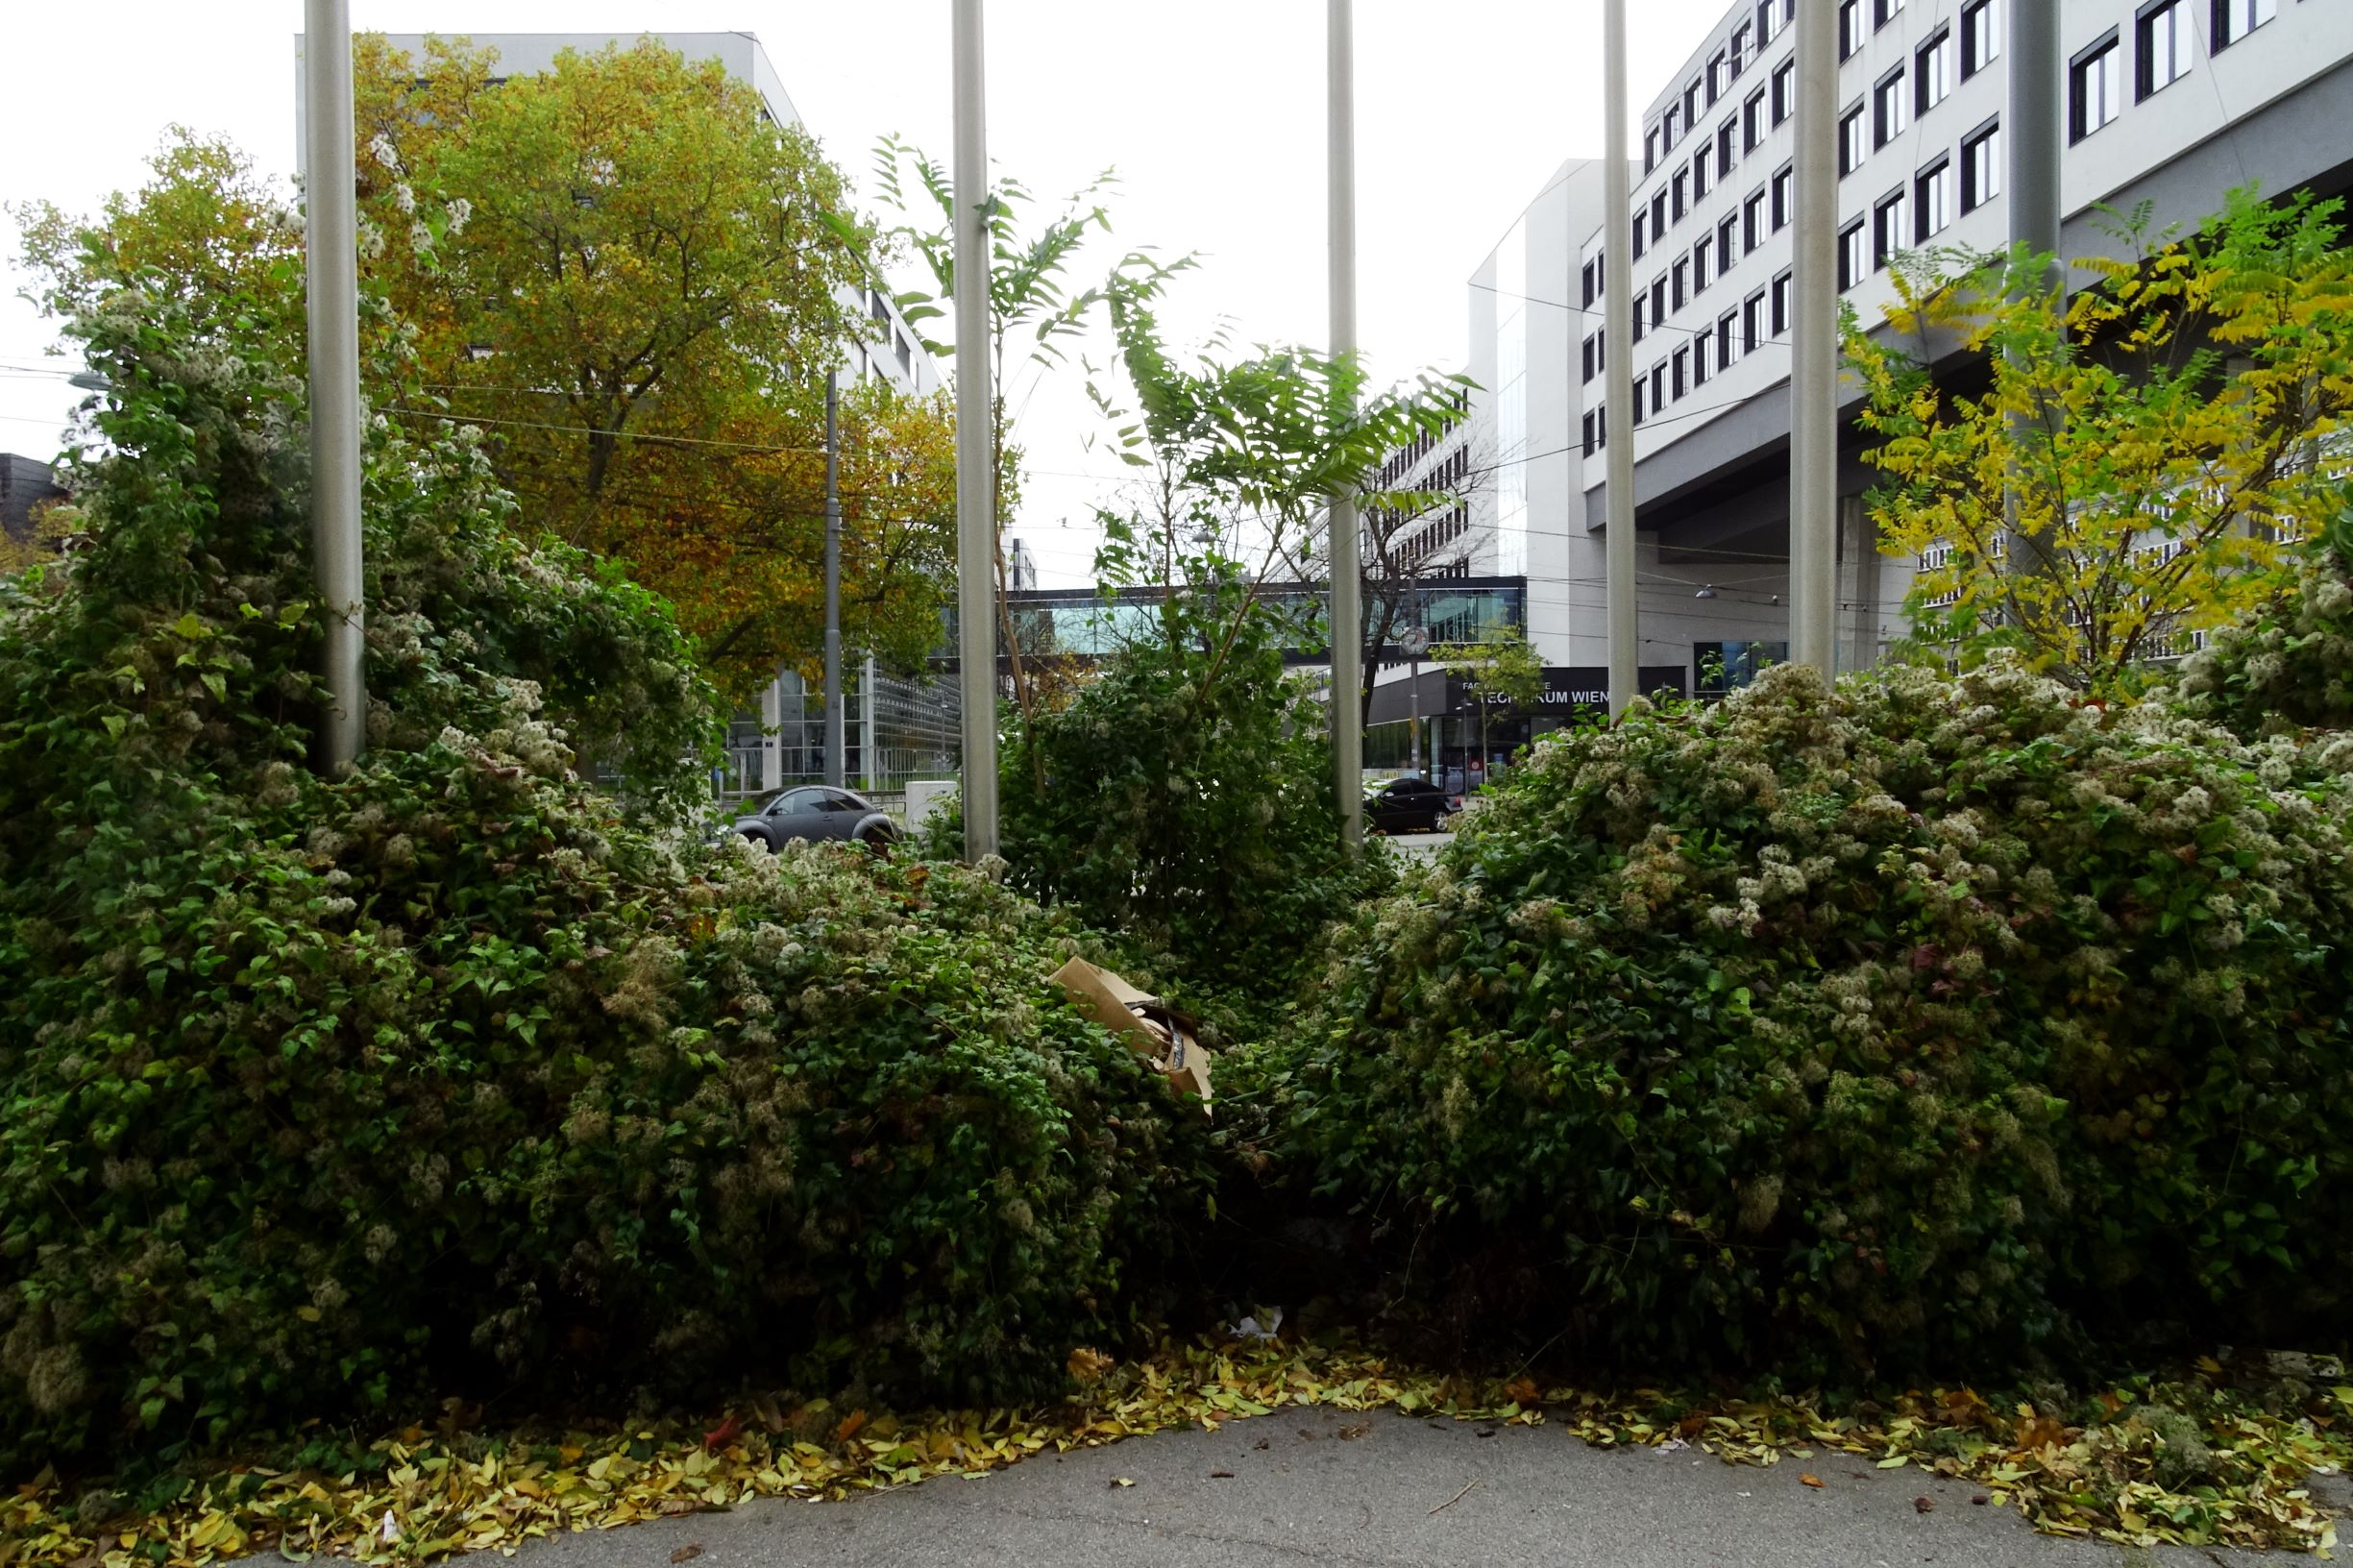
(1413, 642)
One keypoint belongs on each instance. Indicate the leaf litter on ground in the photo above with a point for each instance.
(2196, 1462)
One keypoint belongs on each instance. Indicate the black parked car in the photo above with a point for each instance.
(1408, 805)
(813, 811)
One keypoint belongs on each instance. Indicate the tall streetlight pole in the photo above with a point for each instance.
(1813, 381)
(2035, 210)
(975, 476)
(331, 269)
(836, 737)
(1347, 587)
(1618, 363)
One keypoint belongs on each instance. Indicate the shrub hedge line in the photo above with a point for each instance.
(1923, 1023)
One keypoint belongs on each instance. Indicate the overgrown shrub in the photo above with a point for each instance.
(1917, 1026)
(2286, 665)
(1182, 798)
(330, 1098)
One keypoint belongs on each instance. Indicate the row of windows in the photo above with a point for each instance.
(2161, 56)
(1739, 134)
(1401, 462)
(1917, 211)
(1900, 97)
(1713, 350)
(1748, 41)
(1435, 538)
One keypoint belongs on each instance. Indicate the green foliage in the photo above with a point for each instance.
(331, 1097)
(1928, 1022)
(2148, 438)
(2287, 664)
(1184, 797)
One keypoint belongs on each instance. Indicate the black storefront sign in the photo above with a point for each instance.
(1584, 688)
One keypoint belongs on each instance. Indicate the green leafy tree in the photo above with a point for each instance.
(1247, 451)
(1036, 311)
(1183, 796)
(1502, 671)
(2163, 436)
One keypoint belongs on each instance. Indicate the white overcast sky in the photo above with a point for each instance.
(1212, 111)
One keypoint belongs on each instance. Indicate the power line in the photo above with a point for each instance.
(617, 435)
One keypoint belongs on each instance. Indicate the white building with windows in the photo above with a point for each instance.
(2169, 103)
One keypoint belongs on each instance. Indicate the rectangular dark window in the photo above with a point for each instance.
(1692, 104)
(1670, 128)
(1682, 377)
(1699, 356)
(2095, 88)
(1592, 278)
(1593, 362)
(1727, 339)
(1891, 108)
(1932, 200)
(1681, 290)
(1752, 222)
(1980, 36)
(1587, 427)
(1727, 242)
(1641, 230)
(1658, 217)
(1650, 150)
(1752, 122)
(1785, 187)
(1891, 226)
(1854, 255)
(1642, 313)
(2161, 55)
(1681, 194)
(1768, 22)
(2235, 19)
(1728, 146)
(1658, 386)
(1981, 166)
(1784, 91)
(1752, 322)
(1853, 141)
(1719, 77)
(1658, 299)
(1932, 76)
(1702, 252)
(1699, 174)
(1780, 305)
(1850, 27)
(1888, 10)
(1743, 48)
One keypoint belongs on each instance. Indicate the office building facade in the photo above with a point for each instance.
(2168, 103)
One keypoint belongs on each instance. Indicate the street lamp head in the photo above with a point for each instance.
(90, 381)
(1707, 591)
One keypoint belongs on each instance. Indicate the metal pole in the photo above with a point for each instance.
(2033, 129)
(1347, 589)
(975, 476)
(1813, 381)
(836, 739)
(1414, 693)
(2035, 210)
(866, 737)
(331, 265)
(1618, 364)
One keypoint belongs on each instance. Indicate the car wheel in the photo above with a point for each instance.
(878, 840)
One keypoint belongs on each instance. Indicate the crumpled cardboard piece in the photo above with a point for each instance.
(1157, 1032)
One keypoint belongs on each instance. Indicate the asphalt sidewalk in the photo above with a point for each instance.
(1322, 1487)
